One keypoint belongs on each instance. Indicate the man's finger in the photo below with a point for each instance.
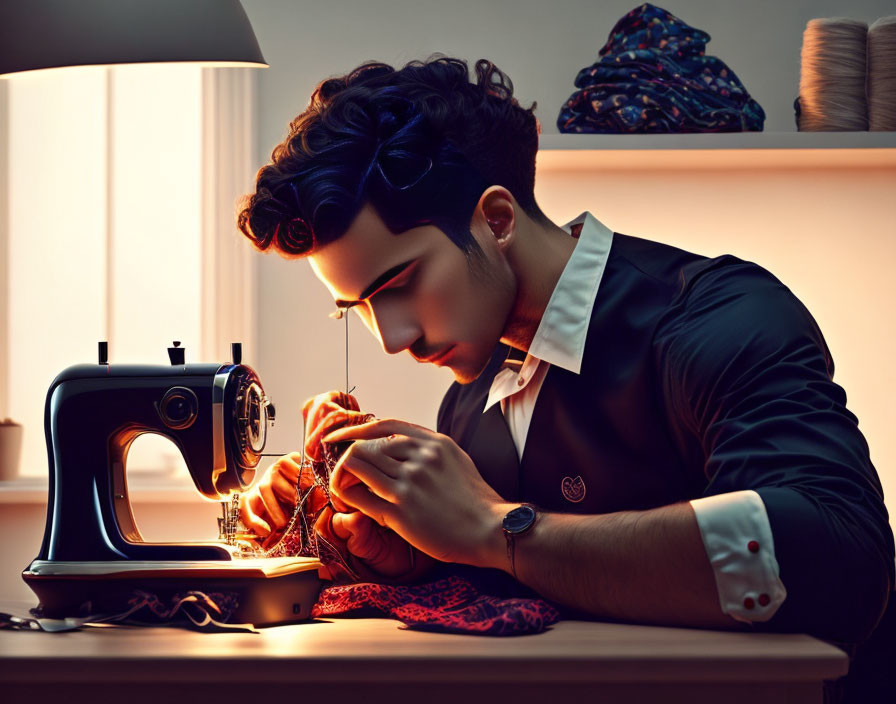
(379, 429)
(375, 452)
(358, 468)
(340, 529)
(277, 518)
(290, 465)
(361, 534)
(360, 497)
(284, 489)
(398, 447)
(250, 518)
(339, 504)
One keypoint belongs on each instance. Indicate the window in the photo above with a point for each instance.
(119, 188)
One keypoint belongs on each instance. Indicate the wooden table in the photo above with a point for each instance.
(374, 660)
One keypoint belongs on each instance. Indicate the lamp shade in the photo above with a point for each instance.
(38, 34)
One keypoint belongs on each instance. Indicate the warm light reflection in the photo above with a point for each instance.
(164, 64)
(587, 160)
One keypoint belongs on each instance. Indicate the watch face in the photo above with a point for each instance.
(519, 519)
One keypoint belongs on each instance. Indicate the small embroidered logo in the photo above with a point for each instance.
(573, 489)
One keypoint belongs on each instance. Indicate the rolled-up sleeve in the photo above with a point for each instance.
(746, 369)
(741, 549)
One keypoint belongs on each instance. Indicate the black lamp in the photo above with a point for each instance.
(39, 34)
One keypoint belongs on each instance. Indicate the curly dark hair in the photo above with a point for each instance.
(421, 144)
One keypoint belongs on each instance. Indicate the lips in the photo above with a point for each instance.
(438, 357)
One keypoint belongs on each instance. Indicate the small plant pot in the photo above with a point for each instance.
(10, 449)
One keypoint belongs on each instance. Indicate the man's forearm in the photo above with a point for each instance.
(645, 566)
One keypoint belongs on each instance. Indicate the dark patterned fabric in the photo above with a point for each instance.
(653, 76)
(209, 612)
(451, 604)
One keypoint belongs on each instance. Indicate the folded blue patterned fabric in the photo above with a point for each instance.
(653, 76)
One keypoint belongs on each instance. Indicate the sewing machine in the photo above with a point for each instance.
(93, 556)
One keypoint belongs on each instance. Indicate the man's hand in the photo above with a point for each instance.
(381, 549)
(267, 507)
(423, 486)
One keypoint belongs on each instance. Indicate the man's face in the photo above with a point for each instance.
(417, 291)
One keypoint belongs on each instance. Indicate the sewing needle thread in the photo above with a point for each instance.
(348, 390)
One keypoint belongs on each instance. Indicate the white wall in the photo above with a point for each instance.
(542, 46)
(4, 252)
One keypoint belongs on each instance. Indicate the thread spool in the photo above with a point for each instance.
(832, 76)
(882, 75)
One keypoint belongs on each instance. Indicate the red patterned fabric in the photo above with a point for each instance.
(452, 605)
(449, 603)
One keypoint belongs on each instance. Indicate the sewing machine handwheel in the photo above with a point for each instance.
(252, 419)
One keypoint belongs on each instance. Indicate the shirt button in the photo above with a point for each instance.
(764, 599)
(753, 546)
(520, 381)
(749, 603)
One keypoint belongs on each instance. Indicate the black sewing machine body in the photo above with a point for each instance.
(92, 555)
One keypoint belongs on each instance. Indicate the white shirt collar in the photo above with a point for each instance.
(560, 338)
(563, 330)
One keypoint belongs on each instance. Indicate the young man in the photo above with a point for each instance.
(636, 431)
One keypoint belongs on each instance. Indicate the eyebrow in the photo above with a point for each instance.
(381, 281)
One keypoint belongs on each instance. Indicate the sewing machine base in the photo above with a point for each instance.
(282, 591)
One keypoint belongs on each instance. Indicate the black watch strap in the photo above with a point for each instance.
(517, 521)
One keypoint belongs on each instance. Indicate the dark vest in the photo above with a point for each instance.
(603, 440)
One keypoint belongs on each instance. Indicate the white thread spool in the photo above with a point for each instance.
(882, 75)
(832, 76)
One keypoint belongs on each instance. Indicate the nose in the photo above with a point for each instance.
(395, 326)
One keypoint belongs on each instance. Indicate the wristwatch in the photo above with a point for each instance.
(516, 522)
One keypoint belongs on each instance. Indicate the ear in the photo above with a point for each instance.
(497, 206)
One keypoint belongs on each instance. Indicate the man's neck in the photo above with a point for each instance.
(537, 258)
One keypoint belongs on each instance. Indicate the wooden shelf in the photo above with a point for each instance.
(732, 150)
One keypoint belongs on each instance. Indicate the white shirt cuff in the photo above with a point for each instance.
(739, 544)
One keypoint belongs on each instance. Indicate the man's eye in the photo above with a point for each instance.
(404, 279)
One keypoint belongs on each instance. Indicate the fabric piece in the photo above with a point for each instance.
(207, 612)
(653, 76)
(741, 549)
(452, 605)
